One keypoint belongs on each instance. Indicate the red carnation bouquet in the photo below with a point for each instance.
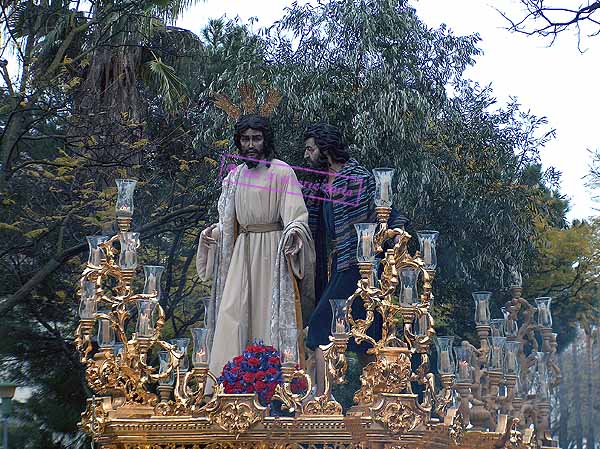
(257, 369)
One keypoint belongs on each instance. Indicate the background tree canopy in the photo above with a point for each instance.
(118, 90)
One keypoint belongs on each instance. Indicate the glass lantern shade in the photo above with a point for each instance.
(497, 326)
(364, 249)
(289, 346)
(200, 356)
(383, 186)
(511, 327)
(511, 358)
(145, 318)
(87, 303)
(130, 242)
(339, 321)
(106, 333)
(428, 243)
(206, 305)
(152, 274)
(445, 359)
(543, 378)
(125, 189)
(421, 325)
(464, 370)
(482, 307)
(544, 316)
(408, 280)
(164, 358)
(496, 355)
(96, 254)
(182, 346)
(516, 280)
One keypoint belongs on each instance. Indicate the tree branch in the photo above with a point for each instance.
(7, 303)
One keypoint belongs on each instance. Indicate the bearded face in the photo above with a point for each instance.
(313, 156)
(252, 144)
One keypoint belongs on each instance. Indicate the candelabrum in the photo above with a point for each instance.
(514, 369)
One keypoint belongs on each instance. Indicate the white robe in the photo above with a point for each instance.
(262, 195)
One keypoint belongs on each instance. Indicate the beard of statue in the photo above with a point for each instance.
(252, 146)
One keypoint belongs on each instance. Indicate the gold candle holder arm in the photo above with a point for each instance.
(336, 366)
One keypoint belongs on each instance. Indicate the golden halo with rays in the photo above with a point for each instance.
(249, 104)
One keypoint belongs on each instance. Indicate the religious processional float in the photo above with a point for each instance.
(147, 396)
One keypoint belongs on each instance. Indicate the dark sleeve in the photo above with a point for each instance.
(397, 219)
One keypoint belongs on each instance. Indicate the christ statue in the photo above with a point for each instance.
(260, 254)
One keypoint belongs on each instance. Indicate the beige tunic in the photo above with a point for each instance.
(263, 196)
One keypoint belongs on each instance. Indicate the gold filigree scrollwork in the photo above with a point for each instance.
(237, 413)
(390, 373)
(398, 417)
(456, 426)
(512, 438)
(336, 365)
(94, 418)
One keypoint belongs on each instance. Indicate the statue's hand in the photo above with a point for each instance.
(207, 235)
(294, 245)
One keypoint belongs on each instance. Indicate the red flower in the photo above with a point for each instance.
(248, 377)
(271, 371)
(274, 361)
(250, 389)
(238, 360)
(253, 361)
(260, 385)
(235, 369)
(260, 375)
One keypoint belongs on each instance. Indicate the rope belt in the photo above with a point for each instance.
(254, 229)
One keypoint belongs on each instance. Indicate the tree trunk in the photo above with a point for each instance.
(577, 398)
(563, 395)
(590, 438)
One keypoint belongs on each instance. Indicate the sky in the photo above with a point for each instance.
(557, 82)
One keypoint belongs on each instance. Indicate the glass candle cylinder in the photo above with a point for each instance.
(145, 318)
(445, 360)
(118, 350)
(421, 325)
(164, 358)
(375, 272)
(482, 307)
(544, 316)
(200, 354)
(182, 346)
(497, 326)
(339, 321)
(125, 189)
(516, 280)
(408, 282)
(511, 358)
(289, 346)
(96, 254)
(130, 241)
(364, 249)
(464, 370)
(206, 305)
(87, 303)
(511, 327)
(496, 355)
(152, 275)
(383, 186)
(428, 243)
(543, 384)
(106, 333)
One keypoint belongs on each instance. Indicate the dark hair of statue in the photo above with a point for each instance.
(329, 140)
(259, 123)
